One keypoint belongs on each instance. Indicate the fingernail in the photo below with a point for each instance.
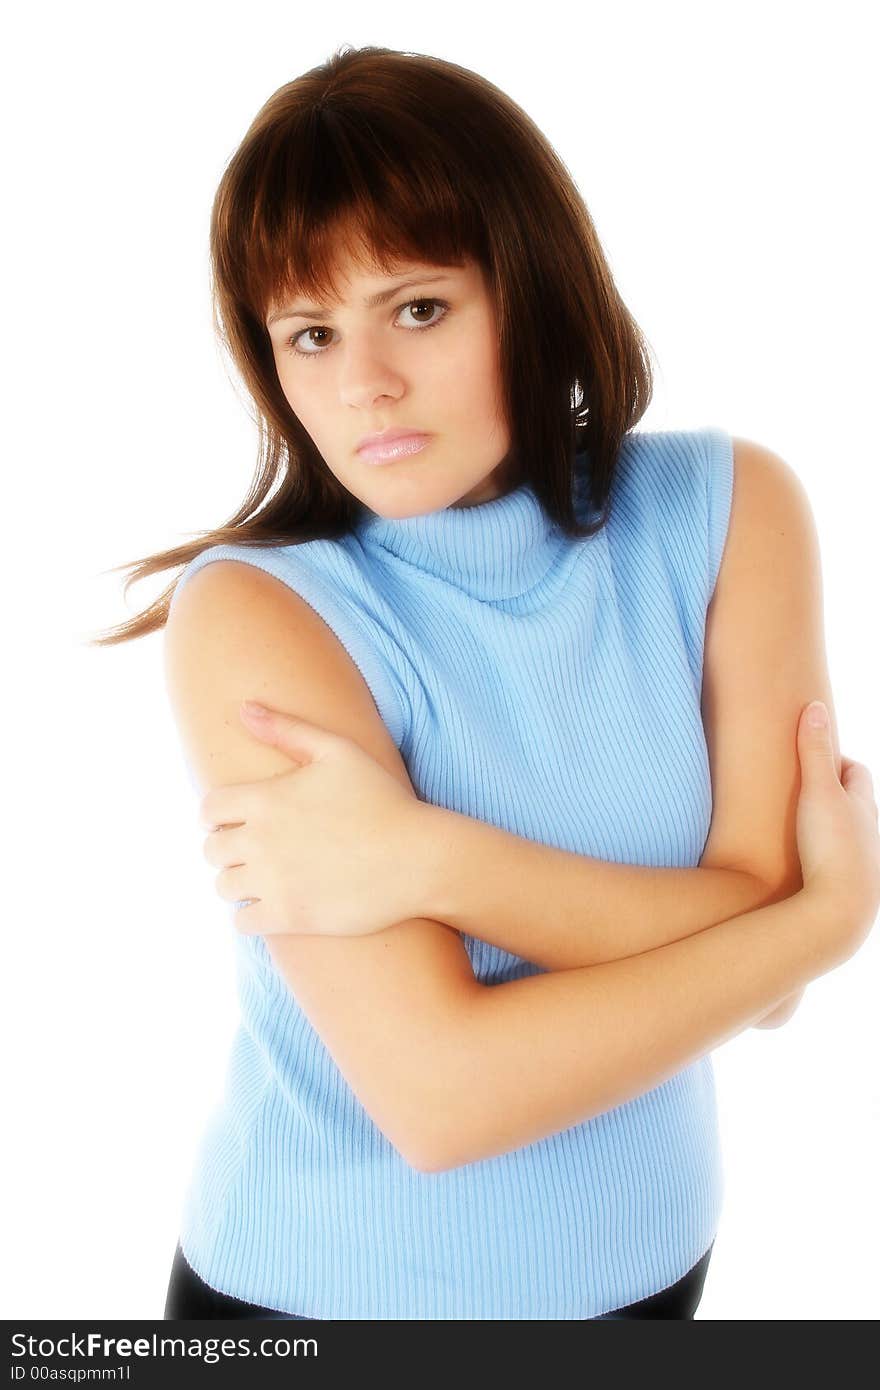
(817, 715)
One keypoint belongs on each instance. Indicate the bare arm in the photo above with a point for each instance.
(562, 910)
(400, 1010)
(549, 1051)
(764, 659)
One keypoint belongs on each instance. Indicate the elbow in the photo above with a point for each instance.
(420, 1149)
(413, 1149)
(788, 1008)
(432, 1152)
(429, 1153)
(427, 1168)
(436, 1164)
(782, 1013)
(439, 1119)
(452, 1153)
(769, 1021)
(421, 1161)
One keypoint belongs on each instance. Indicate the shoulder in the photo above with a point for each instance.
(762, 475)
(238, 631)
(765, 658)
(771, 527)
(322, 587)
(320, 562)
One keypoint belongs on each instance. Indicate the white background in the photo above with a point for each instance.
(727, 155)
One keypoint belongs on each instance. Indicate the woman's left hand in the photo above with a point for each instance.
(330, 848)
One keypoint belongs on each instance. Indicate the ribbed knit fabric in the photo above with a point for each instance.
(551, 687)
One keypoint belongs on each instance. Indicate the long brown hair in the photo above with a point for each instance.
(413, 157)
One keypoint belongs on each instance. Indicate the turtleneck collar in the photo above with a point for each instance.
(494, 550)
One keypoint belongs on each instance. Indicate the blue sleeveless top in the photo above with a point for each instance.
(551, 687)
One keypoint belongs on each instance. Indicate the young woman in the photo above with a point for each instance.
(518, 847)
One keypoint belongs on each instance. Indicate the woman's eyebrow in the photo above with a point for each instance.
(372, 301)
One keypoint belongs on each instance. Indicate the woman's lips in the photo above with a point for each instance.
(398, 448)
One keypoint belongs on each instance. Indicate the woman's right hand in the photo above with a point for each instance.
(838, 836)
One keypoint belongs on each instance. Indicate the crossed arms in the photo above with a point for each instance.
(400, 1011)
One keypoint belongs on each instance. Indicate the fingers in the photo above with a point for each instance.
(232, 885)
(857, 776)
(223, 848)
(856, 780)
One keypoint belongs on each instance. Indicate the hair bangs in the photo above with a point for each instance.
(366, 193)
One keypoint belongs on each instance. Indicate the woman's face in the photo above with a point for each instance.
(425, 360)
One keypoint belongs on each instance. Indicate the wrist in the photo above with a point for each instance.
(833, 919)
(445, 857)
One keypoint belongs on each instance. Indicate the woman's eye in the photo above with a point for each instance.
(318, 348)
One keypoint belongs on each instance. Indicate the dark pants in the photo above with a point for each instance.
(190, 1297)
